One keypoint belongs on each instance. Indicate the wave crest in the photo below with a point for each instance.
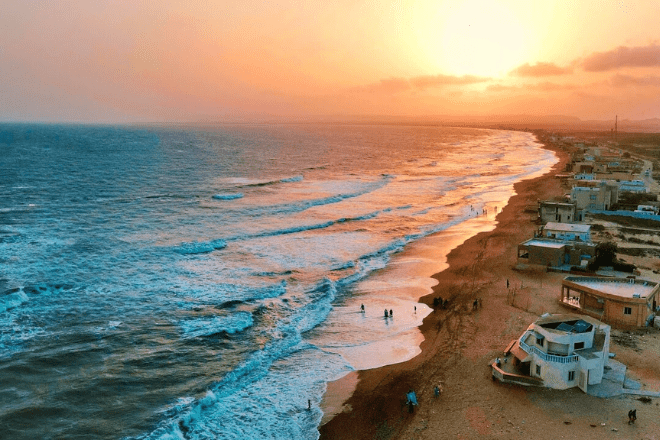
(200, 247)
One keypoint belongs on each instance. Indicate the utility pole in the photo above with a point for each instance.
(616, 122)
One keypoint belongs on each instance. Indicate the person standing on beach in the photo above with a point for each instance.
(386, 313)
(362, 308)
(391, 314)
(411, 400)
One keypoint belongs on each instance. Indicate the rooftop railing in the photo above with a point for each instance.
(548, 357)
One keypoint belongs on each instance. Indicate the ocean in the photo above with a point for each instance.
(177, 282)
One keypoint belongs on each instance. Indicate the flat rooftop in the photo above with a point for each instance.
(614, 286)
(551, 203)
(543, 243)
(568, 227)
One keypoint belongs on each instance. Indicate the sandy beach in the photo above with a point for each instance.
(460, 342)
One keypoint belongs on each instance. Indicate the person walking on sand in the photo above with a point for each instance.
(632, 416)
(411, 400)
(391, 314)
(386, 313)
(362, 308)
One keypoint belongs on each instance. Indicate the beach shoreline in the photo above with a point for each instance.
(459, 341)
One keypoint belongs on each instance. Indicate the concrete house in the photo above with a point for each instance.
(557, 351)
(584, 167)
(567, 231)
(596, 195)
(622, 302)
(554, 253)
(550, 211)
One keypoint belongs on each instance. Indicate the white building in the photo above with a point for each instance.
(557, 351)
(567, 231)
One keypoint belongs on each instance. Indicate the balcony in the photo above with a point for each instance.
(548, 357)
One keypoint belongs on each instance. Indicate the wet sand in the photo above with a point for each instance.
(460, 342)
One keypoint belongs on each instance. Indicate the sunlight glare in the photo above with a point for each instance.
(482, 38)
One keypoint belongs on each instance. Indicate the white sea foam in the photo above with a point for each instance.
(230, 324)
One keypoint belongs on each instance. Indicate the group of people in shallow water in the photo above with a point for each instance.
(386, 314)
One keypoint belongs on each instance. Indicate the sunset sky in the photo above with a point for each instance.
(195, 60)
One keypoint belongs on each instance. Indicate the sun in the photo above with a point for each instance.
(477, 37)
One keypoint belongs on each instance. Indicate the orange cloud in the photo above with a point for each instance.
(541, 86)
(397, 85)
(641, 56)
(632, 81)
(387, 86)
(553, 87)
(501, 88)
(539, 69)
(422, 82)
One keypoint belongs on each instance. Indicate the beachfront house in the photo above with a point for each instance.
(562, 212)
(556, 351)
(567, 231)
(595, 195)
(555, 253)
(621, 302)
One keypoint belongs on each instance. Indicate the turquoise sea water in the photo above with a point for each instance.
(198, 283)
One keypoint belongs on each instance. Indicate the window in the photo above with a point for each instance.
(627, 310)
(571, 376)
(539, 340)
(579, 345)
(538, 370)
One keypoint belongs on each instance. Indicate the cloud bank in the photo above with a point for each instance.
(539, 70)
(640, 56)
(397, 85)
